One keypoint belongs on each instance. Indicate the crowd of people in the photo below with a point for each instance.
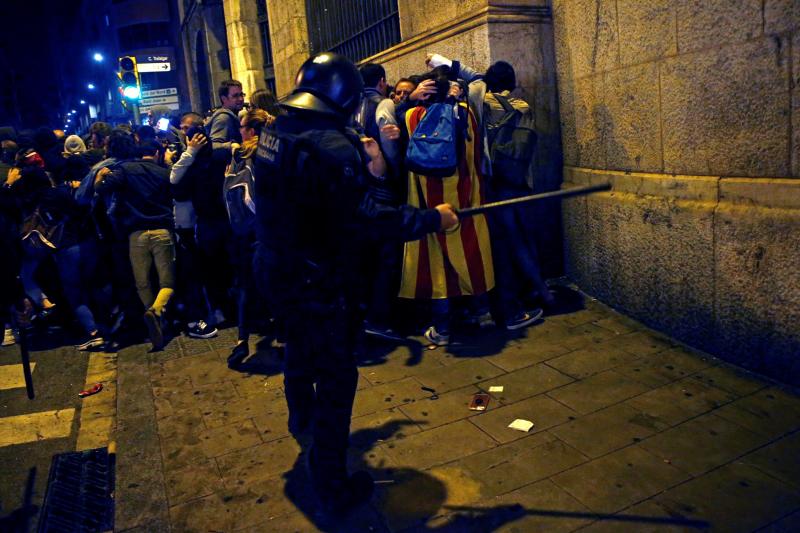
(131, 232)
(101, 211)
(307, 221)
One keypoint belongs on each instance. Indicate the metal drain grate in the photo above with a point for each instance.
(80, 493)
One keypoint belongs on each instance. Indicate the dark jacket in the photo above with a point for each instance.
(143, 198)
(223, 129)
(315, 214)
(10, 220)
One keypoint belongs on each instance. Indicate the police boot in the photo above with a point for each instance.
(337, 497)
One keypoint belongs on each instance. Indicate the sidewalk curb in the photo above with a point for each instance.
(141, 499)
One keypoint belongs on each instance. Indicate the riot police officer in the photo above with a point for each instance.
(315, 217)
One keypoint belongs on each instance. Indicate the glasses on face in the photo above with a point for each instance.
(237, 95)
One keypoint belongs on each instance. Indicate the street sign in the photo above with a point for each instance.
(160, 100)
(154, 67)
(145, 109)
(160, 92)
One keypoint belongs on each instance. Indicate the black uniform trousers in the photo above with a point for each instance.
(320, 351)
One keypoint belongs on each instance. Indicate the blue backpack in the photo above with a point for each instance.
(432, 148)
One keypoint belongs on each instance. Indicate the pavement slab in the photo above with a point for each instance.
(771, 411)
(521, 462)
(721, 441)
(615, 481)
(591, 360)
(680, 400)
(779, 459)
(735, 497)
(607, 430)
(440, 445)
(598, 391)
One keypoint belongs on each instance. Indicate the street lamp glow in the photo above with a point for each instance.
(90, 86)
(83, 102)
(98, 57)
(73, 111)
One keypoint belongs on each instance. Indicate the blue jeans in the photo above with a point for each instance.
(76, 265)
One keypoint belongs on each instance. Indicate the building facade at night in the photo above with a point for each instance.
(695, 128)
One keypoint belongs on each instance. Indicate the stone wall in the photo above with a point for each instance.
(290, 45)
(691, 110)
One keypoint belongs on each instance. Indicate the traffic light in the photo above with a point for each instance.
(129, 74)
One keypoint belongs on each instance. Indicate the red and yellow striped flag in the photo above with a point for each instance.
(458, 263)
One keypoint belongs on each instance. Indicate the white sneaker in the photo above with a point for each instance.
(436, 338)
(9, 337)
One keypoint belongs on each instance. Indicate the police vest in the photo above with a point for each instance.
(308, 186)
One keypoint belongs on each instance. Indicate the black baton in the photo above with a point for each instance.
(565, 193)
(24, 354)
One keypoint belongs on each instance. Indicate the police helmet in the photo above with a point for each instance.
(327, 83)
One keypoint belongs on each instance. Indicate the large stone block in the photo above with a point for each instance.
(470, 47)
(726, 111)
(796, 105)
(647, 248)
(591, 119)
(586, 36)
(711, 23)
(633, 126)
(418, 16)
(576, 238)
(646, 30)
(653, 258)
(756, 275)
(781, 15)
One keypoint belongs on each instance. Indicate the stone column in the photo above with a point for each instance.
(690, 109)
(217, 46)
(244, 44)
(290, 44)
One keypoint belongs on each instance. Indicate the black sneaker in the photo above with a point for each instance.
(201, 330)
(238, 354)
(340, 497)
(93, 341)
(153, 324)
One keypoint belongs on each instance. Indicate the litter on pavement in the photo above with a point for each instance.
(521, 425)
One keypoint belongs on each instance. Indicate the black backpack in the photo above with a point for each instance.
(512, 142)
(239, 193)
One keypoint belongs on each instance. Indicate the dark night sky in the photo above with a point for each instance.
(36, 60)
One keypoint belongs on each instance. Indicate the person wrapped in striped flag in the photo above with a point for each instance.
(442, 266)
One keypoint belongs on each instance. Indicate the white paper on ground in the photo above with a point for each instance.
(521, 425)
(496, 388)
